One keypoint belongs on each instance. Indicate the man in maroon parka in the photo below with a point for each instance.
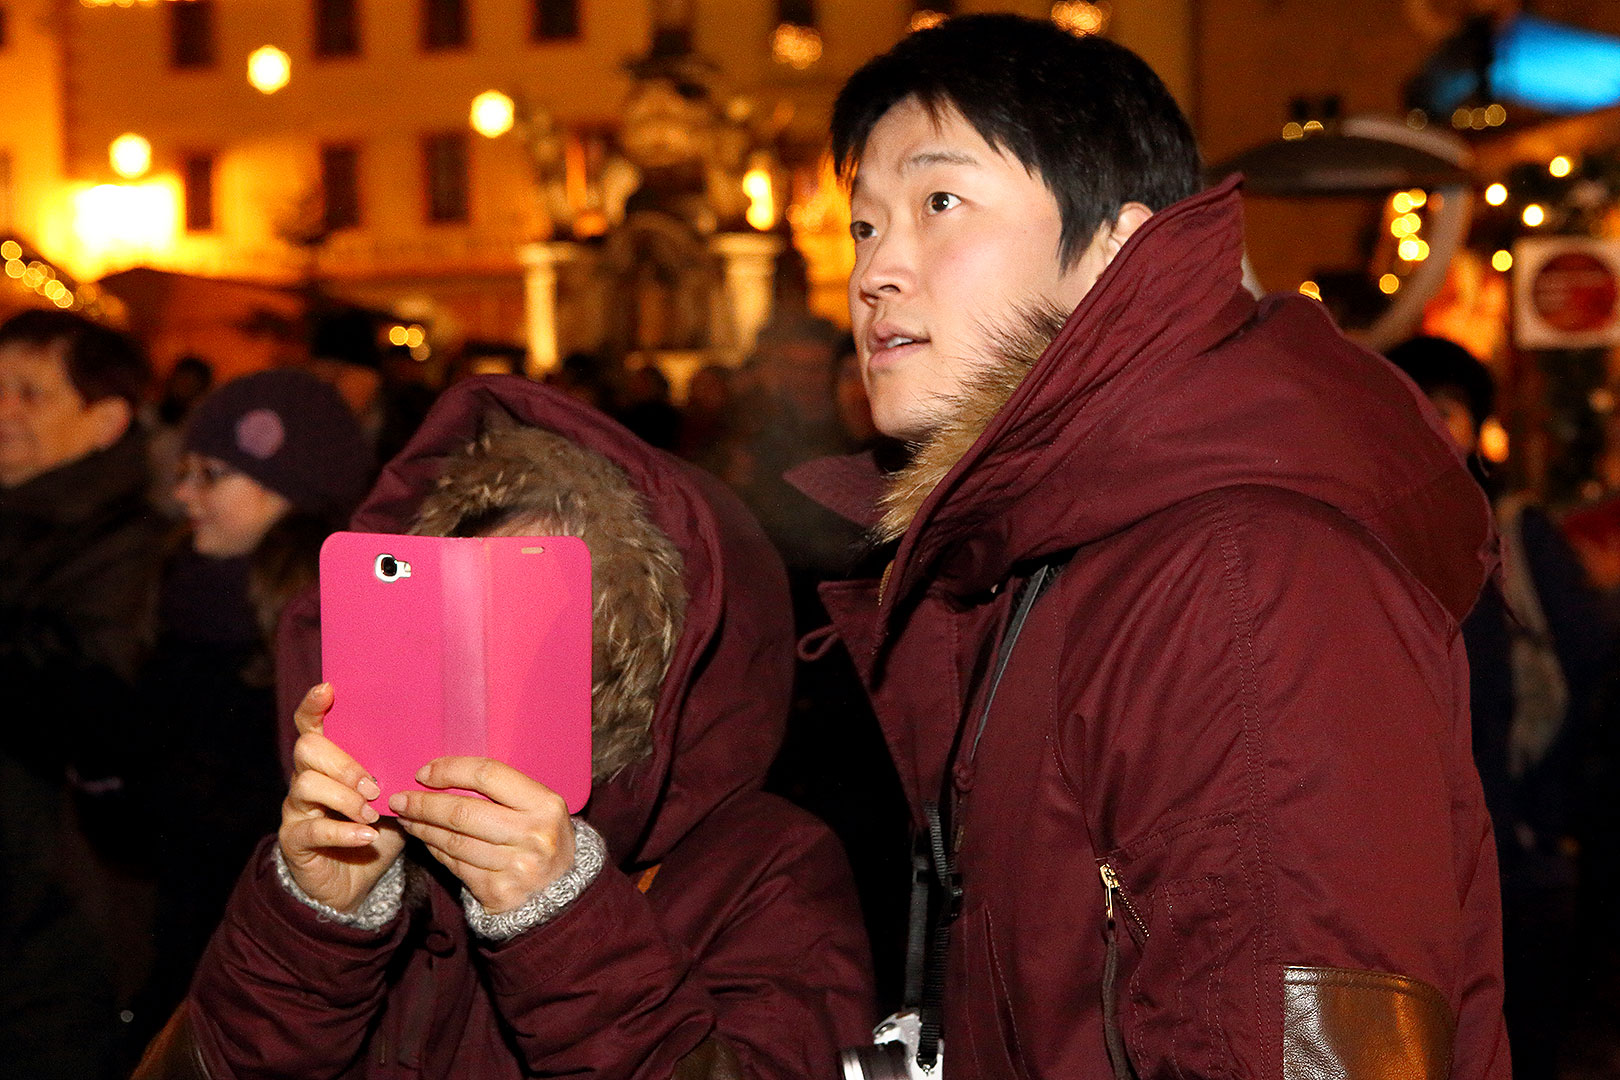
(1169, 642)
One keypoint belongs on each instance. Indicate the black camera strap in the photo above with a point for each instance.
(936, 886)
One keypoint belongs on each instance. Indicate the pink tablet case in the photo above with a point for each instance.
(483, 649)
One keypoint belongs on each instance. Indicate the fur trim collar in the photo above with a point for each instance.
(1014, 353)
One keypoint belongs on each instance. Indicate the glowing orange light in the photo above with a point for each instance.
(1493, 441)
(761, 213)
(269, 69)
(1080, 18)
(492, 114)
(130, 155)
(796, 46)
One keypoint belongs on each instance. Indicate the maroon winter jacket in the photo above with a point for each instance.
(1245, 693)
(747, 942)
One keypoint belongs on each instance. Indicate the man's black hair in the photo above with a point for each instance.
(1440, 366)
(1087, 116)
(100, 362)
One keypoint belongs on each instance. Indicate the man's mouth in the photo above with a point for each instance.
(885, 342)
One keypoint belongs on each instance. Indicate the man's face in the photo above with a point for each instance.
(44, 422)
(954, 241)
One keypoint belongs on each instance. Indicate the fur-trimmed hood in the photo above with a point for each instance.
(721, 714)
(1168, 381)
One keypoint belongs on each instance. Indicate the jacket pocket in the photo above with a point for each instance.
(1178, 993)
(986, 1044)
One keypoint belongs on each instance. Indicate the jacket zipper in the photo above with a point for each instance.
(1112, 888)
(1112, 1034)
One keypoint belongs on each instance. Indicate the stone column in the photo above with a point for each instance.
(750, 268)
(541, 261)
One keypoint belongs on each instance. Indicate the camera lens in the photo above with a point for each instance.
(886, 1061)
(388, 565)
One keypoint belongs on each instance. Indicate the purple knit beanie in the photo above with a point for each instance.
(292, 433)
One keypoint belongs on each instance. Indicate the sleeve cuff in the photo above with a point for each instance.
(376, 911)
(590, 855)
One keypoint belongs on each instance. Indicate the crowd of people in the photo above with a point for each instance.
(1269, 706)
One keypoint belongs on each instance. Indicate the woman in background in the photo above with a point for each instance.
(272, 462)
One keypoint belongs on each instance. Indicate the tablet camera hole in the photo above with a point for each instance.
(388, 568)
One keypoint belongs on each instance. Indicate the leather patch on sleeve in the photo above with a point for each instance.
(174, 1053)
(712, 1060)
(1363, 1025)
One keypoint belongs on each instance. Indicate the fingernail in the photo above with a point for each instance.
(396, 802)
(365, 835)
(422, 775)
(368, 787)
(323, 688)
(369, 814)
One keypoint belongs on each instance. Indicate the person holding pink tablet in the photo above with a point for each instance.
(684, 924)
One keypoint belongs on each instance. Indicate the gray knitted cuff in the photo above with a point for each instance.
(376, 911)
(590, 855)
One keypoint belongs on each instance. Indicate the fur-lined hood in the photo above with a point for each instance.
(1168, 381)
(722, 711)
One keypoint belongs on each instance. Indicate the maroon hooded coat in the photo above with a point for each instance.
(1245, 693)
(748, 934)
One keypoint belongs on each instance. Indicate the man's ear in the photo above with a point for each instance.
(1131, 217)
(109, 418)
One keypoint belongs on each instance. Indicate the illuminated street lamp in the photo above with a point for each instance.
(761, 213)
(130, 155)
(269, 69)
(492, 113)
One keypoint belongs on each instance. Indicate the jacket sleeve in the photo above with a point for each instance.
(1293, 813)
(282, 992)
(746, 959)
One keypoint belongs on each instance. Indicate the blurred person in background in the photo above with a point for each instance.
(273, 462)
(706, 420)
(79, 549)
(646, 409)
(791, 418)
(1538, 650)
(165, 419)
(579, 375)
(684, 923)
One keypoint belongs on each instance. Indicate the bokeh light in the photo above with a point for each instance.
(130, 156)
(492, 114)
(269, 69)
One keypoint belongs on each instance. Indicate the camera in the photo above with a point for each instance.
(893, 1053)
(388, 568)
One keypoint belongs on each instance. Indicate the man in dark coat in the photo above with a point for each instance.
(690, 925)
(78, 554)
(1168, 652)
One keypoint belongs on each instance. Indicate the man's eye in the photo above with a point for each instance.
(861, 230)
(941, 201)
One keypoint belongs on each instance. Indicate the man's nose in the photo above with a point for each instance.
(889, 266)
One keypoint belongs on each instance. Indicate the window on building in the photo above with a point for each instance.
(199, 181)
(445, 166)
(340, 186)
(555, 20)
(191, 34)
(337, 28)
(796, 12)
(444, 24)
